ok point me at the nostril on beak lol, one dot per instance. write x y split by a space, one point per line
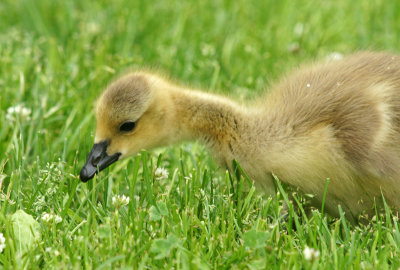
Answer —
97 154
96 161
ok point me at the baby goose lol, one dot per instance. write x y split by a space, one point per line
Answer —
338 120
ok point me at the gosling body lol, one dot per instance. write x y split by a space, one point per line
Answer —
338 120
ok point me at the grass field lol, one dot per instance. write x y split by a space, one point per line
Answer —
56 57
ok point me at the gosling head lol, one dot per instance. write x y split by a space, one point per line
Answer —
131 114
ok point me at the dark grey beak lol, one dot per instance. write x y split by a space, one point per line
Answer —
97 160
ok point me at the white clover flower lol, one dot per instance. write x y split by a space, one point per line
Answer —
18 111
298 29
48 218
161 173
2 243
310 254
57 219
119 200
334 56
51 250
207 50
187 178
93 28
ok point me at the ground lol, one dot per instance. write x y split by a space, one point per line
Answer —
55 59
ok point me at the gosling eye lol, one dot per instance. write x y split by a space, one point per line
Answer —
127 126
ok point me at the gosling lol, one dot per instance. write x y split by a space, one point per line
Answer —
338 120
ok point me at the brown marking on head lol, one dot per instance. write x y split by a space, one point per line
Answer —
137 97
125 99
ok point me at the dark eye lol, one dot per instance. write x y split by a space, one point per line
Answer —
127 126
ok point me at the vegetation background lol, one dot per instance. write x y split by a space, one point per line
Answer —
55 59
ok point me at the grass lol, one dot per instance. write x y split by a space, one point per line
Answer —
55 58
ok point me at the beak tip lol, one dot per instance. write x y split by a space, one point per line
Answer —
84 175
97 160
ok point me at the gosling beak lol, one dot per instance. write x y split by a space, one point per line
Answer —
97 160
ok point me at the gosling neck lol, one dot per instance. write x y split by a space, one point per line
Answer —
212 119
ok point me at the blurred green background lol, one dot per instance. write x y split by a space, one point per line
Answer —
57 56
